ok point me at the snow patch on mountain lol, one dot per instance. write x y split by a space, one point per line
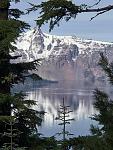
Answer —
34 44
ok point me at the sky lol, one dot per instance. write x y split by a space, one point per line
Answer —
100 28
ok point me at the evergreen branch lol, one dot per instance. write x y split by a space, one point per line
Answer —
107 67
53 11
16 13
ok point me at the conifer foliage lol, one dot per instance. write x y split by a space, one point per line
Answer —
65 119
104 104
12 73
54 11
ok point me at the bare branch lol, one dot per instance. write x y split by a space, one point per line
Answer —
95 4
98 14
107 8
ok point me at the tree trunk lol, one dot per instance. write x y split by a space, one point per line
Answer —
4 61
4 71
4 5
5 106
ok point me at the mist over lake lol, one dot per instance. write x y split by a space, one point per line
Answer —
79 95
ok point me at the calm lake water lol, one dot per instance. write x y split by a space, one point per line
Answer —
79 96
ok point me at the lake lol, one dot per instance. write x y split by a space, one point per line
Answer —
77 95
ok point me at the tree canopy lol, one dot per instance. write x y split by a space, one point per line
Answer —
12 73
53 11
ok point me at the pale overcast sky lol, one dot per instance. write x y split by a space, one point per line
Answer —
101 28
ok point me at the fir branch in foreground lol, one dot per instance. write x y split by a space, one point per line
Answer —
53 11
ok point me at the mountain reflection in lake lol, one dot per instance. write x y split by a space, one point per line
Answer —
50 96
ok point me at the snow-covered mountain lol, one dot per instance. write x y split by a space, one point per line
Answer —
36 44
61 52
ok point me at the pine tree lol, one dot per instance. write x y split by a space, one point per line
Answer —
11 133
64 118
104 104
13 73
64 113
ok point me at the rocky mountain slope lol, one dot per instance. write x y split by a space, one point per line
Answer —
62 56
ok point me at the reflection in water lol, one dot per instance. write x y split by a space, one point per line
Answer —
49 99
